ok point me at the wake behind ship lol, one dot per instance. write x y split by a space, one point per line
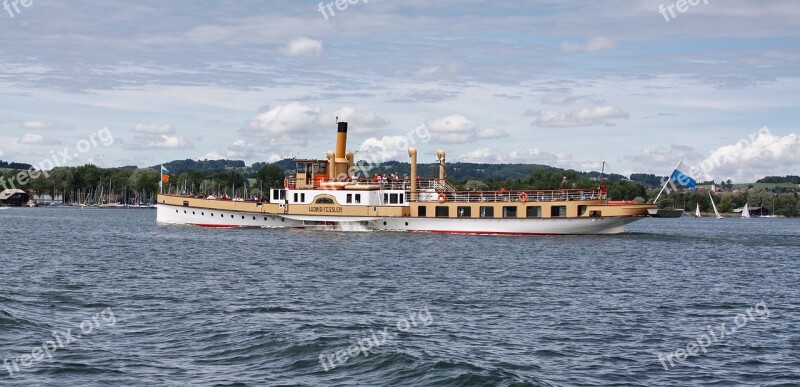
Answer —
324 194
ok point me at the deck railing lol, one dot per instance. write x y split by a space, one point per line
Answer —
429 186
522 196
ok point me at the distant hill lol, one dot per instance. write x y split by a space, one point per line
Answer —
177 166
780 180
13 165
456 171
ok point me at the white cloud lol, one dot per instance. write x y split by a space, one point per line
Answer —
358 123
376 151
153 129
303 47
585 117
491 133
751 158
41 125
600 43
457 129
528 155
159 141
35 139
597 43
479 155
661 160
291 123
450 124
454 129
239 150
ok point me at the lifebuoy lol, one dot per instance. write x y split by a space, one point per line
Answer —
285 182
442 198
523 197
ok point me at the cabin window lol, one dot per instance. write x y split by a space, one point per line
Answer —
533 212
358 198
558 212
582 210
349 198
487 212
324 201
422 211
464 212
303 197
510 211
442 211
276 194
385 198
393 198
295 197
301 168
401 198
323 168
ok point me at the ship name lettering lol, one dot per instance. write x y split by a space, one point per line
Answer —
324 209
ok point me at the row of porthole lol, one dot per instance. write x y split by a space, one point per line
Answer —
384 223
221 215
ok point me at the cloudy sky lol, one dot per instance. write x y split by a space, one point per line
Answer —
570 84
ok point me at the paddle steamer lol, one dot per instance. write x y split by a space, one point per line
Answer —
324 194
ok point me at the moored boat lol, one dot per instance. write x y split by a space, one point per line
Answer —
323 194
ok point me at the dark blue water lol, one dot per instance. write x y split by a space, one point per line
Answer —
166 305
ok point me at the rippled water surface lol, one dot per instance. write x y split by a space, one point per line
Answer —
167 305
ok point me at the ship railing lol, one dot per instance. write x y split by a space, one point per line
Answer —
520 196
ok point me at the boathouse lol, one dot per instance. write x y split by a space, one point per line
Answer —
14 197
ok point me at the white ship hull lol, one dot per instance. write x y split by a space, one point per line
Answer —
170 214
167 214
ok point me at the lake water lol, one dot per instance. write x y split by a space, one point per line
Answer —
169 305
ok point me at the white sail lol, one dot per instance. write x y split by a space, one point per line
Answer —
715 206
745 212
697 212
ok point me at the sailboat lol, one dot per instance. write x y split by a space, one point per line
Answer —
745 212
714 205
697 211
